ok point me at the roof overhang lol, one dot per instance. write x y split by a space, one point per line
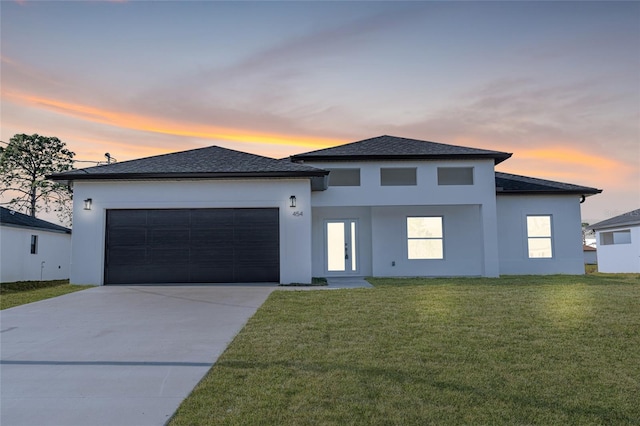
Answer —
64 177
586 193
497 158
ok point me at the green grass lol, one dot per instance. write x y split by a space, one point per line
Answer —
23 292
514 350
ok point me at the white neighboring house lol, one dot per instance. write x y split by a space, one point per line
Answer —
385 206
32 249
618 241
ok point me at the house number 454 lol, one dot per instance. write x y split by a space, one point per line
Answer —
297 213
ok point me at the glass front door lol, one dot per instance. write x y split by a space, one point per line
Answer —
341 246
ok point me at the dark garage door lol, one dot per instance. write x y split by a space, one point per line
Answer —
192 246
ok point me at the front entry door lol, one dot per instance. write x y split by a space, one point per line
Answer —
341 246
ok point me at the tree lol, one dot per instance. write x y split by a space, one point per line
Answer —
24 164
586 233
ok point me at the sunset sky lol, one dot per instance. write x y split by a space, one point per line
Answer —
555 83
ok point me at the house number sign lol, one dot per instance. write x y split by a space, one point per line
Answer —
297 213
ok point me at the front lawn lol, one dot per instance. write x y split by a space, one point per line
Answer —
514 350
22 292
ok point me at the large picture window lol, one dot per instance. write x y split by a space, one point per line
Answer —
425 238
539 239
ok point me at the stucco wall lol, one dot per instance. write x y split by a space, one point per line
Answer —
619 257
568 257
18 264
426 192
363 217
89 225
481 244
463 245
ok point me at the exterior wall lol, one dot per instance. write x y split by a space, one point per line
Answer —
363 217
87 264
568 257
51 262
477 200
426 192
463 245
619 257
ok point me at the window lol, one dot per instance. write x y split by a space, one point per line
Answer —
34 244
344 177
455 175
615 237
398 176
539 236
424 238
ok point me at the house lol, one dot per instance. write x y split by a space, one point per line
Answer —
618 240
590 255
32 249
385 206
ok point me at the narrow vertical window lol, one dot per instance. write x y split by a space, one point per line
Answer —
425 238
539 236
34 244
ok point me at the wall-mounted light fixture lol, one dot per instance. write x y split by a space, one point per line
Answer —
87 204
292 201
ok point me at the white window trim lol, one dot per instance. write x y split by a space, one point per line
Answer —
550 237
407 238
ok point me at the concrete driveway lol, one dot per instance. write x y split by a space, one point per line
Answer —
116 355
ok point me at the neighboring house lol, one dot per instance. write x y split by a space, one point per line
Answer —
32 249
618 242
385 206
590 255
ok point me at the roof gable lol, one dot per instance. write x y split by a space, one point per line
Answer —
396 148
209 162
10 217
626 219
507 183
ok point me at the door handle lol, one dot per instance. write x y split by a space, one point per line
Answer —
346 252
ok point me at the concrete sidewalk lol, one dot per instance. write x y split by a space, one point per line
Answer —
116 355
348 282
332 284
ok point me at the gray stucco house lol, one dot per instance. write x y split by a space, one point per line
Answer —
385 206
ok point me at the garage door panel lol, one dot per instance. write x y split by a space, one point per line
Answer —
192 245
212 256
169 218
212 237
223 273
128 256
152 274
256 274
212 218
169 237
128 237
166 256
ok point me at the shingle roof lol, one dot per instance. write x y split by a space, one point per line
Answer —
10 217
625 219
507 183
392 147
210 162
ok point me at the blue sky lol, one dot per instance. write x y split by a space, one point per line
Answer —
556 83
